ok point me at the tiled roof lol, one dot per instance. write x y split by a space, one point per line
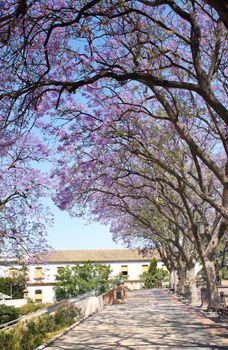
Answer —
99 255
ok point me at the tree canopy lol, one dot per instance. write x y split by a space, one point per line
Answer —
129 101
82 278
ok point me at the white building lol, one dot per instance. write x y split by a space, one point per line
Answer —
42 275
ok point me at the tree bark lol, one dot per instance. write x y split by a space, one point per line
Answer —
182 280
221 7
172 279
210 274
193 286
175 283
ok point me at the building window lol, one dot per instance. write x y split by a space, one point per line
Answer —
38 295
145 268
38 273
124 270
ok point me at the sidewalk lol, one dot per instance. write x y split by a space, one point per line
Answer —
151 319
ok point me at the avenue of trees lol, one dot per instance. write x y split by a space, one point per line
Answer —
128 100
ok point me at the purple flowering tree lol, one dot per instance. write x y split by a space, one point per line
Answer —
115 168
23 215
142 78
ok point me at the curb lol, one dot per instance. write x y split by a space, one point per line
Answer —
50 341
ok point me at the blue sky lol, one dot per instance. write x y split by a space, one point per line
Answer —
75 233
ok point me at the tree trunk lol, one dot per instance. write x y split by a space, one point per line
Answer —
175 284
171 279
193 286
213 295
182 280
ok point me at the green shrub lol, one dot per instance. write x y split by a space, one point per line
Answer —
8 313
154 276
12 285
29 335
47 323
32 335
66 315
32 307
223 273
7 340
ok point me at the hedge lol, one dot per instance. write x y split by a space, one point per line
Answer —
28 335
8 313
32 307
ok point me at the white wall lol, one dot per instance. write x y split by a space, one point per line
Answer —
161 265
90 305
14 302
47 291
4 270
134 268
50 271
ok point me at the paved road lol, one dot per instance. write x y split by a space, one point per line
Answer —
150 319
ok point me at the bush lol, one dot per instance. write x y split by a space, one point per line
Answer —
32 307
8 313
29 335
12 285
65 314
223 273
154 276
7 341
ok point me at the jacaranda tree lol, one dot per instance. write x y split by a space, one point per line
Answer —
86 65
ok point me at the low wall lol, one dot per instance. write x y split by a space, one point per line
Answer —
14 302
108 298
90 305
87 306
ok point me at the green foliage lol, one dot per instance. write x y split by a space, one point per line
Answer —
120 278
223 273
102 278
10 284
15 283
32 307
7 340
65 314
201 278
82 278
154 275
221 262
29 335
8 313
